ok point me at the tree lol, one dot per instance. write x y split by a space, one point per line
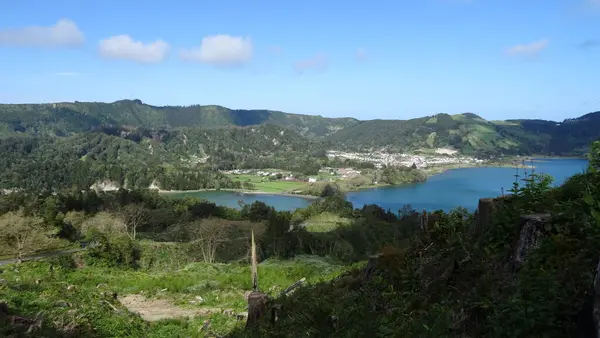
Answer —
594 155
22 234
207 236
134 216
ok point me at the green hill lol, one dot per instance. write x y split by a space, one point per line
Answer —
71 117
468 133
472 134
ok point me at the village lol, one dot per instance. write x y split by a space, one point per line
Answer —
442 158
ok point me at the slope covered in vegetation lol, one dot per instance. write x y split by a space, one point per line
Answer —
530 272
467 132
64 118
524 270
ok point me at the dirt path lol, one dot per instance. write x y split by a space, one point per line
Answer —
157 309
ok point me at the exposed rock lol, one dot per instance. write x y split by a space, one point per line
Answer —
241 316
105 185
532 230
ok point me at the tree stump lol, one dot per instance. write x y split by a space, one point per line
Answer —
532 230
257 307
371 266
485 209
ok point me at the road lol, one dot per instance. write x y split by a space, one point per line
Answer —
42 255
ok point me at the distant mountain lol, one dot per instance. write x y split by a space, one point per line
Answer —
471 134
468 133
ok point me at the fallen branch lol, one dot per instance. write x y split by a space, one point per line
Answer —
292 287
111 306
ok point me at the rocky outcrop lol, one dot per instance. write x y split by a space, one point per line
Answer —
106 185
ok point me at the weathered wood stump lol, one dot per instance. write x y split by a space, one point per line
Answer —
532 230
371 266
485 210
257 307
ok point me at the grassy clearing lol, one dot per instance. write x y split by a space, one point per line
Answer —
269 186
325 222
77 299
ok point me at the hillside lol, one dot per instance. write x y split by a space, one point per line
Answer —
472 134
468 133
524 265
70 117
180 159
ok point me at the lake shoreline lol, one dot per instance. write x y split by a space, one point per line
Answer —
241 191
438 170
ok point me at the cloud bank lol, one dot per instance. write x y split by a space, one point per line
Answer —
125 48
64 33
221 50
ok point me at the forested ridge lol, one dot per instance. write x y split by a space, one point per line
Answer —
466 132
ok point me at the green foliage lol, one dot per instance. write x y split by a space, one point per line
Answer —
594 155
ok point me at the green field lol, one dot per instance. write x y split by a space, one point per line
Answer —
269 186
325 222
81 297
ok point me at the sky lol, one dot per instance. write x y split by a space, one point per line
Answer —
394 59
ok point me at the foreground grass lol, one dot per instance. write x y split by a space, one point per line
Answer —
80 302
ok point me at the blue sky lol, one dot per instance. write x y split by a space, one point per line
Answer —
381 59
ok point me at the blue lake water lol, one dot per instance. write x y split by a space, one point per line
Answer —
446 191
230 199
460 187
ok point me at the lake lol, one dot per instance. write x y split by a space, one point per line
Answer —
446 191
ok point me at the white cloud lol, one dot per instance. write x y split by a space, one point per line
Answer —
530 49
221 50
361 54
125 48
64 33
318 62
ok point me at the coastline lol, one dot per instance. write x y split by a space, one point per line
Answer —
241 191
